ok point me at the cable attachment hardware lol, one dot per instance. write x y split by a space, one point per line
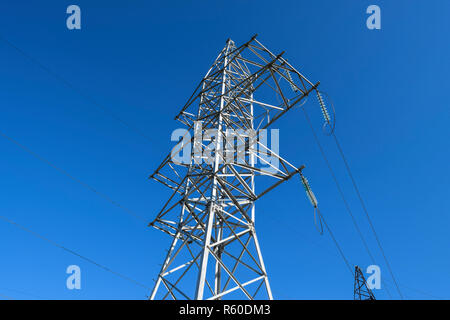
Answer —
312 198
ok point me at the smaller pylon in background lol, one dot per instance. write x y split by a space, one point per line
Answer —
361 291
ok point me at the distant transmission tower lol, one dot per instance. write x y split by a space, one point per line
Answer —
361 291
210 214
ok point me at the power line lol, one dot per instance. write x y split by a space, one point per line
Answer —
85 185
337 245
385 282
22 293
73 252
37 156
367 214
91 100
420 291
347 206
6 297
338 186
327 121
341 252
74 89
332 132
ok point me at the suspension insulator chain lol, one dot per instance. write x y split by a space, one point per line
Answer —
325 114
291 82
309 193
314 202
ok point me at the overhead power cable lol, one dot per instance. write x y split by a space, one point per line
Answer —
319 219
367 214
74 89
85 185
341 252
5 297
22 293
328 228
37 235
341 193
332 132
420 291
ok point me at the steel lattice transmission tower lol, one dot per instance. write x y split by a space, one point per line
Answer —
210 215
361 291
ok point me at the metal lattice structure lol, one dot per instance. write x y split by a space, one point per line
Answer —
361 291
215 253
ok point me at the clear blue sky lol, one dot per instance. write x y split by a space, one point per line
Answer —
142 60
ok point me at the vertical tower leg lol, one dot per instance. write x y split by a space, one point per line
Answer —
263 267
164 267
205 254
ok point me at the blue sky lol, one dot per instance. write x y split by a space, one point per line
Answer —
142 60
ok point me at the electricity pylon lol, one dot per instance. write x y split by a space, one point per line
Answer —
210 215
361 291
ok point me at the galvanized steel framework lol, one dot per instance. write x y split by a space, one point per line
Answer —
210 215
